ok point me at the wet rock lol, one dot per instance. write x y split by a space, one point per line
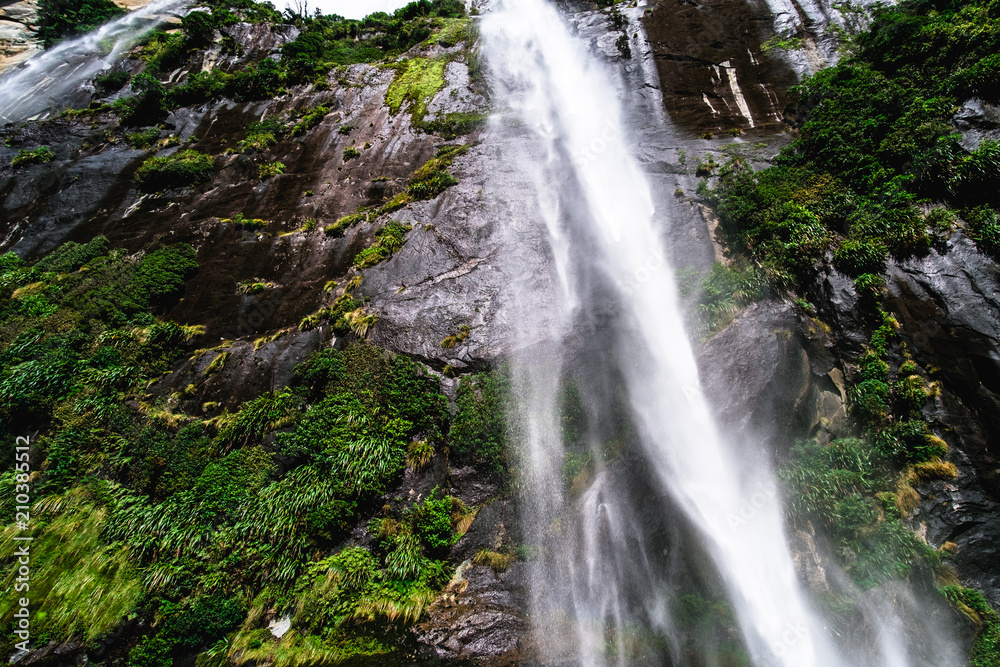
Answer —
772 379
241 371
714 74
977 113
948 308
478 617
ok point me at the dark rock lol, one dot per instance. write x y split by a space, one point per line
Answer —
714 75
772 379
478 617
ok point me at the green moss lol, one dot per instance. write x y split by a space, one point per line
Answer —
416 83
346 221
451 125
453 31
39 155
143 138
388 240
240 221
184 168
351 153
782 44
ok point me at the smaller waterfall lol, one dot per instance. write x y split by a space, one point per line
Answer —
43 85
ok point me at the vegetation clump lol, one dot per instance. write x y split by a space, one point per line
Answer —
971 603
416 83
182 169
143 138
388 240
478 431
58 19
326 42
39 155
262 134
877 173
270 169
346 221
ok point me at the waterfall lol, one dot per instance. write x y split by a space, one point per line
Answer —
44 85
600 592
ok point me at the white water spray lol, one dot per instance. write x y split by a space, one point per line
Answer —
43 85
563 96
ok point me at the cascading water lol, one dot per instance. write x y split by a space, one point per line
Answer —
600 592
43 85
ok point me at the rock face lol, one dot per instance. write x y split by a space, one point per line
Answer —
17 41
948 305
715 77
777 375
18 22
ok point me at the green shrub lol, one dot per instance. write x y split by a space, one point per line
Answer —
971 603
451 125
984 228
151 651
350 153
38 155
432 178
143 138
388 240
70 256
58 19
164 52
147 106
240 221
260 81
199 28
199 87
270 169
478 428
200 621
431 521
112 82
262 135
725 291
309 120
181 169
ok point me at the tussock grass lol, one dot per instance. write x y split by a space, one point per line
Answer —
80 585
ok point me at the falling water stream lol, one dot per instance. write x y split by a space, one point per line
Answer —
599 586
43 85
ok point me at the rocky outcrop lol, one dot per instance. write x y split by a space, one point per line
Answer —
714 74
777 374
17 41
18 23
